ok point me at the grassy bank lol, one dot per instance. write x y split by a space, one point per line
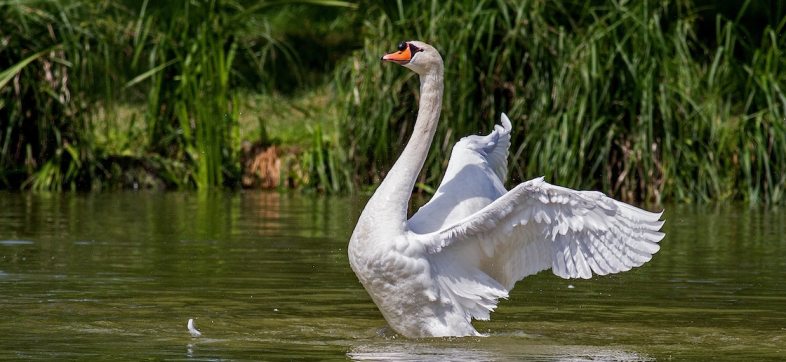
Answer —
646 100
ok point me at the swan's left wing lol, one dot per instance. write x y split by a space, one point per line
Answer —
473 179
537 226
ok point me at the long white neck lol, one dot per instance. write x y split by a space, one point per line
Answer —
391 200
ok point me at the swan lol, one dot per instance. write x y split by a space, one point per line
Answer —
451 262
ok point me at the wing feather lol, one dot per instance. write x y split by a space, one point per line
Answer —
474 178
575 233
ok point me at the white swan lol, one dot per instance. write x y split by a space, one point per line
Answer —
466 248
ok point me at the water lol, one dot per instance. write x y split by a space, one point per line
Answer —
265 276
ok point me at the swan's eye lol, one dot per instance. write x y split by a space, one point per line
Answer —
402 46
413 49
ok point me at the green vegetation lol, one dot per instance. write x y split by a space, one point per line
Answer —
647 100
623 96
100 94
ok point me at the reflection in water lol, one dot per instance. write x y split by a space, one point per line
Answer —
15 242
426 351
265 276
414 352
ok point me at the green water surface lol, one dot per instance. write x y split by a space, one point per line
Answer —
266 277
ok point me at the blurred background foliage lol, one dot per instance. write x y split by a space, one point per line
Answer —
646 100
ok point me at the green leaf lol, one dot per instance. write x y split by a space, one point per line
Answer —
8 74
149 73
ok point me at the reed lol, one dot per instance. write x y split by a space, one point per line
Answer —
55 67
66 67
656 101
192 111
620 96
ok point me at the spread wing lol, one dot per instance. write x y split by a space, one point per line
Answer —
482 239
473 179
537 226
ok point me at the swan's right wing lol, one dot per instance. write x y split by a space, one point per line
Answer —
537 226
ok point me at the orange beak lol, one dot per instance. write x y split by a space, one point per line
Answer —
400 57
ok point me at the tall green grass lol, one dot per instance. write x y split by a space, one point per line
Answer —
68 66
621 96
647 100
192 112
193 109
49 82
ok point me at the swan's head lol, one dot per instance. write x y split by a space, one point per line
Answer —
416 55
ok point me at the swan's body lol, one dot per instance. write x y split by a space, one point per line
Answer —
452 261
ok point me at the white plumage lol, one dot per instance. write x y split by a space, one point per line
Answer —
465 249
192 329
